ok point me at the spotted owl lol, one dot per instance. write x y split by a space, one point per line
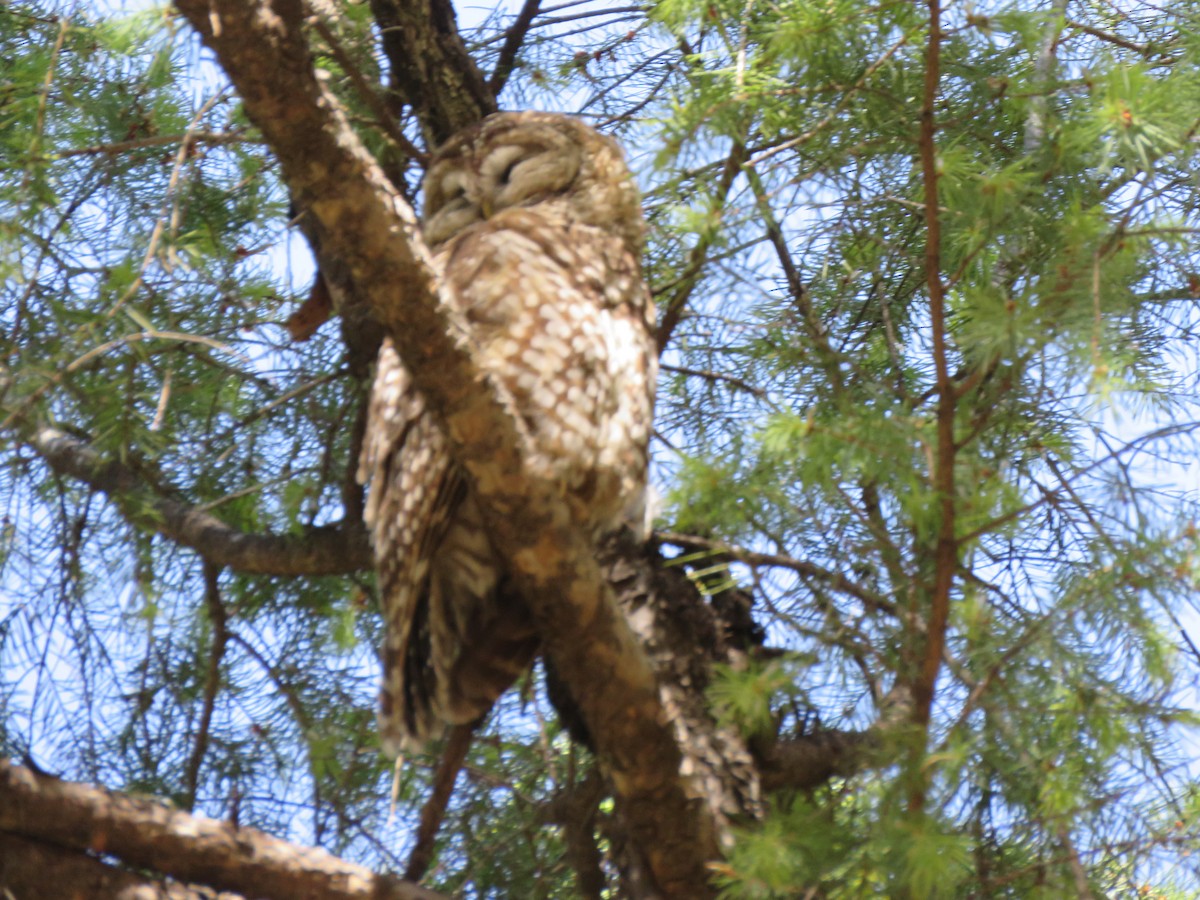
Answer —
536 226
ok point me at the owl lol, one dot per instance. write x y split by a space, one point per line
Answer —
536 226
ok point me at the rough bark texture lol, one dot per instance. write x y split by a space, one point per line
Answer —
433 75
24 865
152 835
431 69
370 228
684 637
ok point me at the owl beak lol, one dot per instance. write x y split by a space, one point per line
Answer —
485 206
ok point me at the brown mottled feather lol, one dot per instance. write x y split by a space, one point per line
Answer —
537 227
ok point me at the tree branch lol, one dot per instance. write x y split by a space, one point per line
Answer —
834 580
687 282
151 835
431 69
574 808
370 228
454 754
808 762
24 865
383 116
513 39
218 618
946 550
331 550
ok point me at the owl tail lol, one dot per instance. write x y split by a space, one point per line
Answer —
468 638
493 652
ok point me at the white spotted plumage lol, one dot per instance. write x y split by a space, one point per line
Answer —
537 227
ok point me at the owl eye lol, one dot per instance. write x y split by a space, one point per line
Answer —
506 174
450 194
450 204
501 164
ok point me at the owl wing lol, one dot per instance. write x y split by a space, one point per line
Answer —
455 638
556 314
413 493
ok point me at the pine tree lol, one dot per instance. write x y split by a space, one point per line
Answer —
922 581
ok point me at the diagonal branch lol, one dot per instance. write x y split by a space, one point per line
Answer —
147 834
373 231
686 284
835 580
383 116
331 550
513 39
454 756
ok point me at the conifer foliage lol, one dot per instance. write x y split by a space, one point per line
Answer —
924 572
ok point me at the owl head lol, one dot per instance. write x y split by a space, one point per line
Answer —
531 159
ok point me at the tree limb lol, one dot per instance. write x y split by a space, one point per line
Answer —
218 618
936 618
454 755
24 865
683 287
431 69
834 580
383 115
330 550
809 761
574 808
513 39
148 834
374 232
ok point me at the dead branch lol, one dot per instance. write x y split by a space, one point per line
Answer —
148 834
24 865
330 550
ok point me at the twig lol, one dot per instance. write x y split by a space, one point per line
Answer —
832 361
835 580
383 115
699 255
716 376
454 754
834 113
190 138
87 358
218 618
1108 36
64 25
